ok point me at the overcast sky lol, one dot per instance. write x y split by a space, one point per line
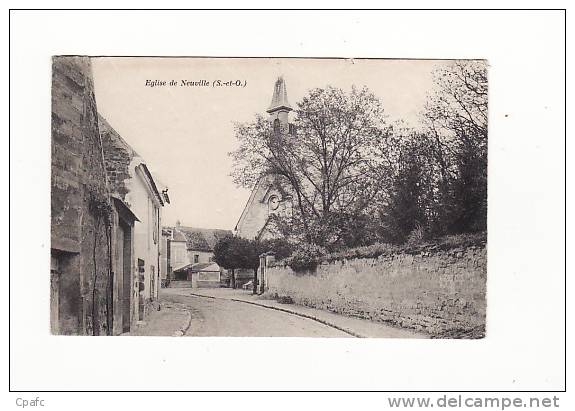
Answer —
185 133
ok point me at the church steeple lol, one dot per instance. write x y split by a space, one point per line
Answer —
280 108
279 99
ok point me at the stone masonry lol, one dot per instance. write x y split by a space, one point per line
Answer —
440 292
79 204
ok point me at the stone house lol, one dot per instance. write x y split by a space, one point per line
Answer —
131 182
79 204
96 223
86 298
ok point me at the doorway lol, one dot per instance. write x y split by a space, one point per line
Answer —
125 272
54 294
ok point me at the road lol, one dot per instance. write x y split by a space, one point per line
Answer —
224 318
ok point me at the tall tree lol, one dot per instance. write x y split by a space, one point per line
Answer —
406 208
327 167
456 119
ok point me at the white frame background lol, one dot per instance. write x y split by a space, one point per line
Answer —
524 348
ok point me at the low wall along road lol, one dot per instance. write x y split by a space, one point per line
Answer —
437 291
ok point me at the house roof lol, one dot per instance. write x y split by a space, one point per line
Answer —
118 155
197 267
201 239
161 187
182 267
117 158
211 266
177 235
124 210
153 186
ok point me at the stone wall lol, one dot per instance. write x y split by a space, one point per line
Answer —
117 158
79 238
441 292
193 284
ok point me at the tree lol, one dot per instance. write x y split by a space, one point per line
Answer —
456 120
279 247
253 249
232 253
405 210
327 167
224 258
354 180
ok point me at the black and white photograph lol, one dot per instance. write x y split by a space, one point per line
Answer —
288 208
262 197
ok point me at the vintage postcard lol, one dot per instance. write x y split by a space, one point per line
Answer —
269 197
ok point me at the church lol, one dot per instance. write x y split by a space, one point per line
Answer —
268 199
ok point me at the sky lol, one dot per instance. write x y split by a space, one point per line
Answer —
185 133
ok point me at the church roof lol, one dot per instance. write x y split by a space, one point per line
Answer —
279 99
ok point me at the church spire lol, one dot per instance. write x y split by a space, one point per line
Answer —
279 99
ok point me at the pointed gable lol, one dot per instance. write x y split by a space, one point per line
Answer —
257 209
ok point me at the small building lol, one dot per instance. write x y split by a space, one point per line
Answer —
200 275
190 252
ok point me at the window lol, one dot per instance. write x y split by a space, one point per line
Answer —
277 126
196 258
